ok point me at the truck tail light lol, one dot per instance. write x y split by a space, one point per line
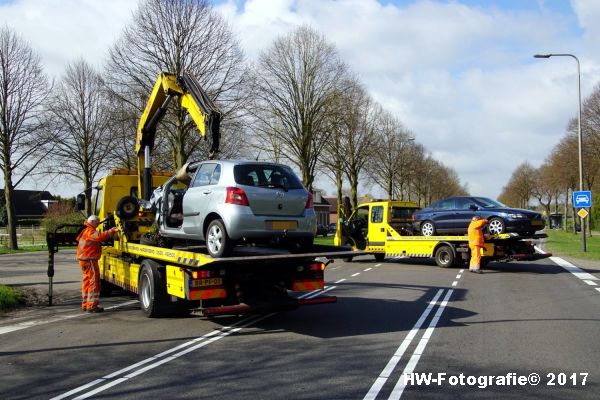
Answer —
317 267
236 196
309 201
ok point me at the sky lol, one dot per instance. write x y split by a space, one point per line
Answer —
459 74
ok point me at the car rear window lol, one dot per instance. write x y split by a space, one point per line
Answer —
266 175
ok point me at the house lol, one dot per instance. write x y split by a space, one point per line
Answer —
322 207
30 203
332 218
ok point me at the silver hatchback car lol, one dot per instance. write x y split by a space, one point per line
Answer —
227 202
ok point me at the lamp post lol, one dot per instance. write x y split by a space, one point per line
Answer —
578 133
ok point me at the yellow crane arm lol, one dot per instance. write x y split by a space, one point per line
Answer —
191 97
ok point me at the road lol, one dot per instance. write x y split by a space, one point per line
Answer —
392 319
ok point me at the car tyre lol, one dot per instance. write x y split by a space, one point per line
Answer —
496 226
444 256
427 228
218 243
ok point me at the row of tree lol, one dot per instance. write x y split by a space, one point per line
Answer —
553 183
299 104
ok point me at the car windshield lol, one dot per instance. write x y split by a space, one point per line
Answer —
266 175
488 203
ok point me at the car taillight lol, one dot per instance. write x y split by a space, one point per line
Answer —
236 196
412 216
309 201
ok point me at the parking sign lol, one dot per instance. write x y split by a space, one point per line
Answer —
582 199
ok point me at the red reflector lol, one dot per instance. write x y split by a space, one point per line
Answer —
236 196
309 201
317 267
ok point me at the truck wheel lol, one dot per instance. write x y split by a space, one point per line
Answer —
218 243
496 226
444 256
106 288
152 289
427 228
379 257
127 207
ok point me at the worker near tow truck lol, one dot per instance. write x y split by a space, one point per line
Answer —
89 249
476 242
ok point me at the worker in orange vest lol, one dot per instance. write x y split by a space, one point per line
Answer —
89 250
476 242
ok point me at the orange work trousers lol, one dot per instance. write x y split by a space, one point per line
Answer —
90 284
475 257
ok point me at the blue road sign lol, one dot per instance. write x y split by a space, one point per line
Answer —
582 199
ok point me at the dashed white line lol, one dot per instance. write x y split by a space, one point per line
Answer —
458 276
389 368
598 289
454 283
368 269
591 283
340 281
356 274
461 271
377 265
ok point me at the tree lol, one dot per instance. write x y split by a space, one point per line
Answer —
80 120
521 186
23 90
295 85
181 36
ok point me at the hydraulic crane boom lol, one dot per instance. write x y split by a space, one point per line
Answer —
194 99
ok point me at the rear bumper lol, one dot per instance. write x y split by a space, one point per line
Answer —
262 308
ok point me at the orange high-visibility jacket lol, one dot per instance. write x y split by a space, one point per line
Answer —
475 232
90 241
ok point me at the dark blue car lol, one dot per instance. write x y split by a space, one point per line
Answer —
452 215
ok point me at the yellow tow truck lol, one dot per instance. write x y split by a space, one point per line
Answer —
384 228
174 279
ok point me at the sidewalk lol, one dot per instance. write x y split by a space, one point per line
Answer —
29 272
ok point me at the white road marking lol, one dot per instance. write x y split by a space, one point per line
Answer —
414 360
356 274
591 283
56 318
458 276
461 271
598 289
454 283
377 265
340 281
578 272
368 269
389 368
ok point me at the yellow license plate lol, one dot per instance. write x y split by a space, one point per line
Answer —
207 282
536 223
281 225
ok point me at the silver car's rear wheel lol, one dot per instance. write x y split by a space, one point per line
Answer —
218 243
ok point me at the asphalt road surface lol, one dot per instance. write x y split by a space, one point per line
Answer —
400 329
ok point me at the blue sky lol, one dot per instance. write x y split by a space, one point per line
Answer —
459 74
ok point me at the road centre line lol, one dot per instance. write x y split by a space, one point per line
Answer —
368 269
356 274
57 318
458 276
454 283
340 281
461 271
598 289
391 365
377 265
183 349
414 360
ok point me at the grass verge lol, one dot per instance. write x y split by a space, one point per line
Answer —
327 240
24 249
10 297
562 243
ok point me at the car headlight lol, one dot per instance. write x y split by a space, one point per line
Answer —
516 216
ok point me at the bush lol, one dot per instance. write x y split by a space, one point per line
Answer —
62 213
9 297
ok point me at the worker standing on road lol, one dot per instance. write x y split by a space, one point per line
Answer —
476 242
88 253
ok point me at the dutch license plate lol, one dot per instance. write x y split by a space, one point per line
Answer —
281 225
536 223
207 282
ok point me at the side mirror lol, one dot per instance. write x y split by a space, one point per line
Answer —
473 207
80 201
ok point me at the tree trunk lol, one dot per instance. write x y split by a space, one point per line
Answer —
566 211
11 218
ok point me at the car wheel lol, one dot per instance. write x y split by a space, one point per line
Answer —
496 226
444 256
218 243
127 207
427 228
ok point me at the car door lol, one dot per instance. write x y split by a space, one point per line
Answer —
443 215
199 195
463 214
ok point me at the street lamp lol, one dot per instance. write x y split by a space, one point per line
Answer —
578 132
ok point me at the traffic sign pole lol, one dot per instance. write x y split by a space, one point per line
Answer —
582 199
